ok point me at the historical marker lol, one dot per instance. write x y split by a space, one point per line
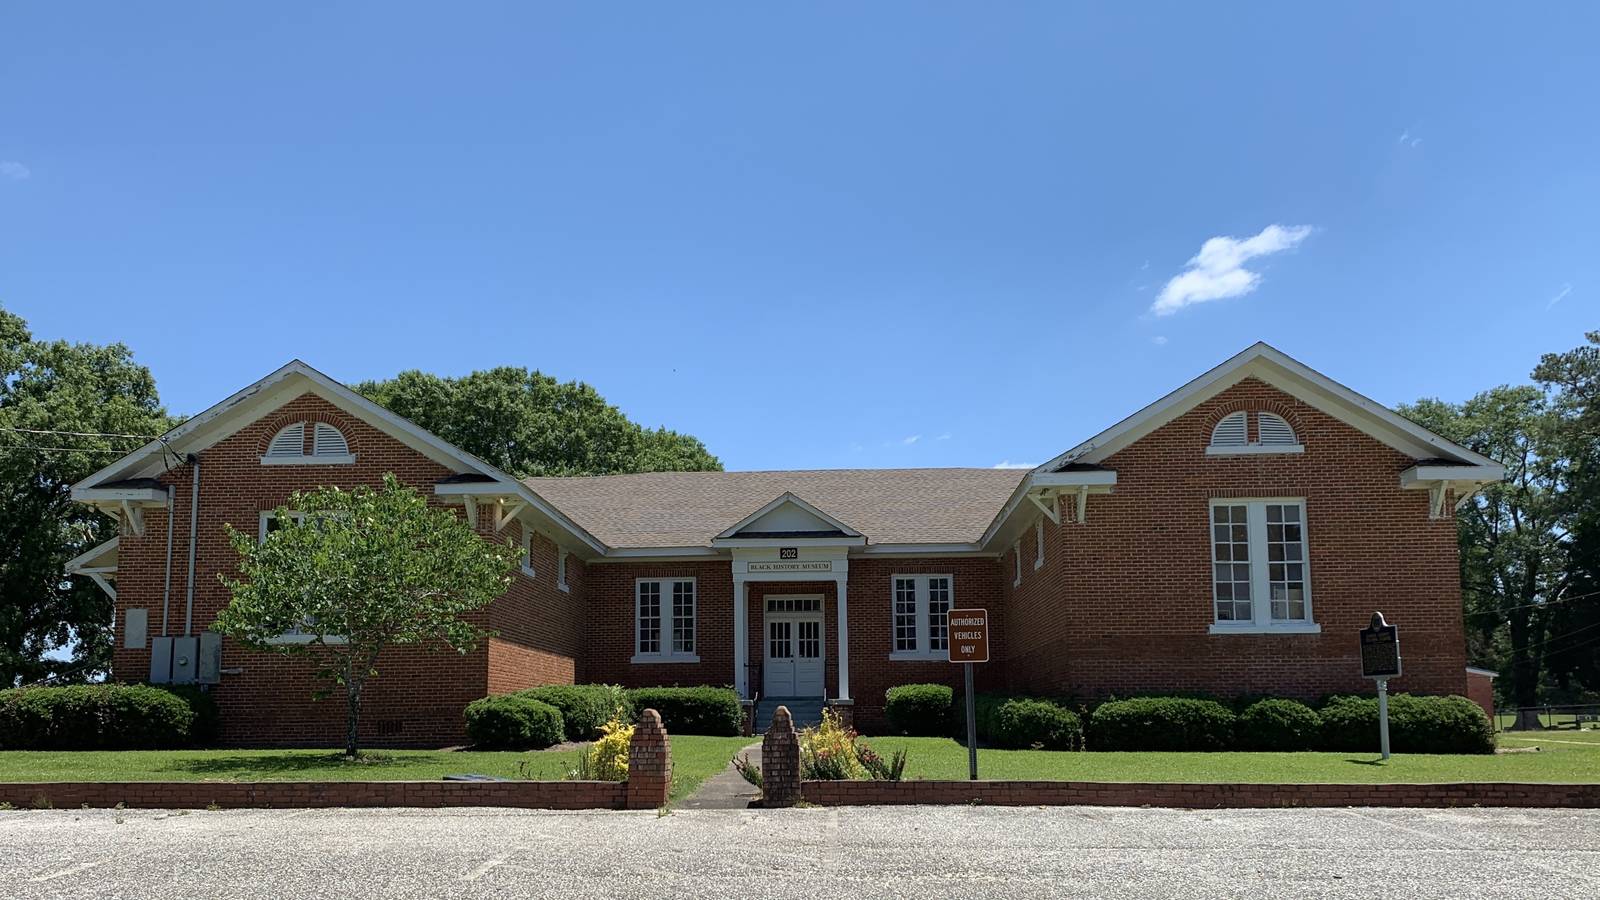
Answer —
1380 661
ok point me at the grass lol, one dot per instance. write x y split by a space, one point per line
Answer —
1556 761
694 759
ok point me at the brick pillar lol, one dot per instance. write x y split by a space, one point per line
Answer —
649 763
780 761
747 710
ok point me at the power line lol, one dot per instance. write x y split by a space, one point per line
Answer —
105 434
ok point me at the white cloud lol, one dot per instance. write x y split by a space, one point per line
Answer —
911 439
1560 296
1008 464
1218 271
1159 340
13 170
943 437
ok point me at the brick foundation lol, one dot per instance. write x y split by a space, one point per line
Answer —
1197 796
316 794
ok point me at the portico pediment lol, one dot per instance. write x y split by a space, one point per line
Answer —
788 520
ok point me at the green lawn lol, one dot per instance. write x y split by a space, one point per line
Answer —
694 759
1562 756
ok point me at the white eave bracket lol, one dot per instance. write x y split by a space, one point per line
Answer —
1047 488
1442 481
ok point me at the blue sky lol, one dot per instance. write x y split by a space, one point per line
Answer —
836 235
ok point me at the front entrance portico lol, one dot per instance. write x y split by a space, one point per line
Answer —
790 541
793 647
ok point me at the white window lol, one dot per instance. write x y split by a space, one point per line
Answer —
561 569
1259 570
1230 437
304 633
527 552
1038 544
1016 560
921 608
664 620
328 447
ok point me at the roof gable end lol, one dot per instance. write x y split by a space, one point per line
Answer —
788 517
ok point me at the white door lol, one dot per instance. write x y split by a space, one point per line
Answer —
794 660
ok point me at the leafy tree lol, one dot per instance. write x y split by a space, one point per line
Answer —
527 423
1573 379
1513 535
359 571
89 391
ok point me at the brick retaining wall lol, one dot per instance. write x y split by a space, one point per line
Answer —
1197 796
306 794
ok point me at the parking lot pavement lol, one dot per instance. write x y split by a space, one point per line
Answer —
905 852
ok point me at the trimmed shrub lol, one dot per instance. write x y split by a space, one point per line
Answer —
692 710
1416 725
585 708
510 722
921 710
1161 723
1279 725
1024 723
94 717
207 717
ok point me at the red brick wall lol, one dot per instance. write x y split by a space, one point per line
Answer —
1124 601
609 599
1480 688
539 628
418 695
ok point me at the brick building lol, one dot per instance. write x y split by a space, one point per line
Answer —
1231 537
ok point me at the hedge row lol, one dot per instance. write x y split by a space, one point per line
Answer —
1417 724
105 717
538 717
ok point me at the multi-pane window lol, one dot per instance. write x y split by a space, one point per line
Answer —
905 614
1258 563
1286 567
810 638
665 618
921 605
683 617
527 552
1230 561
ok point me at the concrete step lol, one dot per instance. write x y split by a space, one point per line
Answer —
805 711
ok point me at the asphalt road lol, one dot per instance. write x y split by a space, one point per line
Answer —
863 852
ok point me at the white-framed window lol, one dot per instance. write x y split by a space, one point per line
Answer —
328 447
1038 544
1230 436
1260 572
664 620
304 633
920 607
1016 562
527 553
561 569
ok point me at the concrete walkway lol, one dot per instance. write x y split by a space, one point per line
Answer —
726 789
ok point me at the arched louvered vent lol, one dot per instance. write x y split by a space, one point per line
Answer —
327 441
1230 432
1274 431
291 441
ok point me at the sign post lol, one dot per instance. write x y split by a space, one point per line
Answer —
1380 661
969 645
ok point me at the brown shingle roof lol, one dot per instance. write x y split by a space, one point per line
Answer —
688 509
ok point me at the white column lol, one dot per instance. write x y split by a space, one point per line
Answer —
844 637
741 641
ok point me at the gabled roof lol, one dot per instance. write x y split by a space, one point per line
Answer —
284 384
779 519
690 509
100 558
1276 368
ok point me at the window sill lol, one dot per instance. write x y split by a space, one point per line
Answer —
639 658
1289 628
919 656
563 586
347 459
529 572
305 639
1253 449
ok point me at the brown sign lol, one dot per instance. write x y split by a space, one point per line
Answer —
969 635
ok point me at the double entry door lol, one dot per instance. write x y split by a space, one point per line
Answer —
793 666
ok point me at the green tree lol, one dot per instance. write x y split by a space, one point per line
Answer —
527 423
355 572
1573 381
1513 535
57 401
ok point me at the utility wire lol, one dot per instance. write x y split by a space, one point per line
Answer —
107 434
